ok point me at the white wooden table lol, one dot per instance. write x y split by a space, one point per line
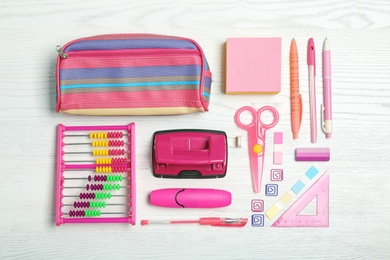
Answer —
358 32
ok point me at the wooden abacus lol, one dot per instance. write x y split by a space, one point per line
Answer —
82 196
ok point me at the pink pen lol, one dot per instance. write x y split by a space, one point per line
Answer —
311 62
212 221
327 125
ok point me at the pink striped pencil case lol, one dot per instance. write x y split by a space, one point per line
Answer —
132 74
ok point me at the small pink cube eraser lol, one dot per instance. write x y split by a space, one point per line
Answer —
278 148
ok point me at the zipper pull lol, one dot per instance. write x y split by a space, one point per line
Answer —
61 52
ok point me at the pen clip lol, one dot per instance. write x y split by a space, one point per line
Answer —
323 118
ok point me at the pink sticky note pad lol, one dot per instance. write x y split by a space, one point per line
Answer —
253 65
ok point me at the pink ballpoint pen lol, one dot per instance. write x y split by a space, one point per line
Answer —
311 62
327 125
212 221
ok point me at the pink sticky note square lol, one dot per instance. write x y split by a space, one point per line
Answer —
253 65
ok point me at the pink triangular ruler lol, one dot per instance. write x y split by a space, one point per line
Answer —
320 191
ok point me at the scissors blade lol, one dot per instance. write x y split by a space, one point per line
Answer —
256 154
256 174
257 162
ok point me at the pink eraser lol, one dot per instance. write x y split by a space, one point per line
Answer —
253 65
190 198
278 147
312 154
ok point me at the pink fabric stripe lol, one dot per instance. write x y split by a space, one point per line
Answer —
142 53
141 99
128 36
117 62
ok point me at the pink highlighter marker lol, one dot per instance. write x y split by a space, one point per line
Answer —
327 125
311 62
190 198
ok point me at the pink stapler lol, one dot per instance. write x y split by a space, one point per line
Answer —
190 154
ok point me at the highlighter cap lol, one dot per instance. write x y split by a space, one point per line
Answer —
190 198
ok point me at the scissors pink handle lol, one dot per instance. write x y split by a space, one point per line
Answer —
256 139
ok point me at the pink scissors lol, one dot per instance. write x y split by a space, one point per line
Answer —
256 139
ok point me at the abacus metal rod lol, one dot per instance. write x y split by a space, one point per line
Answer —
91 152
77 135
83 178
122 187
101 143
78 196
95 146
107 204
81 161
105 213
97 161
94 170
99 135
86 161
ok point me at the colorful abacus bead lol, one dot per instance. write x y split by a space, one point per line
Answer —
97 195
114 178
87 204
111 187
92 213
103 187
101 169
102 143
110 152
81 204
87 196
105 178
84 213
105 135
111 161
114 135
97 204
76 213
102 195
